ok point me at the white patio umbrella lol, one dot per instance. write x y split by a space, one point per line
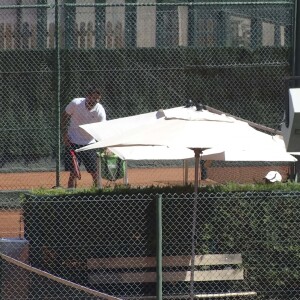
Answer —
174 132
180 127
276 152
152 153
199 131
103 130
273 149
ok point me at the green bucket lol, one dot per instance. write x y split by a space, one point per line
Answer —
112 166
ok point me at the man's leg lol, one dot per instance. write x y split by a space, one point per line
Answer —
72 183
95 178
89 159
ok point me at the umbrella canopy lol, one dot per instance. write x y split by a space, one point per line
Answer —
273 150
233 153
181 127
185 128
103 130
152 153
246 155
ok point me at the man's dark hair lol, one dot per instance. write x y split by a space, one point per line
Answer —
93 90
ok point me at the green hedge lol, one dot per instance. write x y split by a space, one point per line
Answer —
261 225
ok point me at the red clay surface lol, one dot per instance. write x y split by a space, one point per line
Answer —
11 224
140 177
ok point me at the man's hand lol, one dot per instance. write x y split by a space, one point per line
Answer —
66 139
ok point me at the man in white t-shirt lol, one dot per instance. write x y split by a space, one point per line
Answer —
78 112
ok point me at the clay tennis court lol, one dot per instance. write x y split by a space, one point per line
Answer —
141 177
11 222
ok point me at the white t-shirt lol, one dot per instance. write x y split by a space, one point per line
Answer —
81 115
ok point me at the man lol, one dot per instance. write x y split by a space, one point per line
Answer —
78 112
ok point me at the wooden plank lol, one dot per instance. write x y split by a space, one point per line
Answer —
2 36
9 34
33 44
82 34
121 262
168 261
237 294
51 35
25 35
200 296
209 275
90 34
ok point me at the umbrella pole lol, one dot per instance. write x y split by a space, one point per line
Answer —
197 164
185 172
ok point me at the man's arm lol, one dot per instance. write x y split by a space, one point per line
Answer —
64 128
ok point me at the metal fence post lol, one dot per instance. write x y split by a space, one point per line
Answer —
58 108
159 247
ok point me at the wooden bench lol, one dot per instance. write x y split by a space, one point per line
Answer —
209 267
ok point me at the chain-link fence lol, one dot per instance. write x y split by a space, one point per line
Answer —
144 56
235 245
